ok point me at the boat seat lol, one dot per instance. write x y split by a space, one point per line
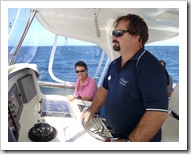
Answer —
170 128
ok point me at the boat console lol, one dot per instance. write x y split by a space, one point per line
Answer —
35 117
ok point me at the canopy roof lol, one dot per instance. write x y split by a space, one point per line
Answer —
95 24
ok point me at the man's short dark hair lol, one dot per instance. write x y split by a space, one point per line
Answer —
136 26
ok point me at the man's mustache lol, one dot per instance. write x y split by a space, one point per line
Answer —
116 47
115 41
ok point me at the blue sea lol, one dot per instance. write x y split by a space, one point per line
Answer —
66 56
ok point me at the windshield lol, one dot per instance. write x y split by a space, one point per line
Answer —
54 55
17 20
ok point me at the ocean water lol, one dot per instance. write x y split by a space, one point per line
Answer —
66 57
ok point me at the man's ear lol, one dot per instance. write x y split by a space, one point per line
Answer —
136 37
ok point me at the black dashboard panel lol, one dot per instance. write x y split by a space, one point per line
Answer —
27 88
15 107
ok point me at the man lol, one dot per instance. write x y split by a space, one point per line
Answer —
169 78
134 91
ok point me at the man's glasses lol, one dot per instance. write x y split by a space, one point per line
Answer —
78 71
119 33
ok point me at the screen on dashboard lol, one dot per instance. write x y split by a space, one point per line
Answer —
27 88
15 103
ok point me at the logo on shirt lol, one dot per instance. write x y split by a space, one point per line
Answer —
109 78
123 81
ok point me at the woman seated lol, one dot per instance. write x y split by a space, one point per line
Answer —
85 87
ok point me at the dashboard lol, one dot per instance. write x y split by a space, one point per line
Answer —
35 117
22 89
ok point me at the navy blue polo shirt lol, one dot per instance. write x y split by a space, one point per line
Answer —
138 86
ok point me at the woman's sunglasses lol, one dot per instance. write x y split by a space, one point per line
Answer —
78 71
119 33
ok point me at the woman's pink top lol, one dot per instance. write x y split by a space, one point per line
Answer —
87 90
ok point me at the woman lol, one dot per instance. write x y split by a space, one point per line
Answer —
85 87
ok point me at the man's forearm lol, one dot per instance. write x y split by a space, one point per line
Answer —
98 100
148 126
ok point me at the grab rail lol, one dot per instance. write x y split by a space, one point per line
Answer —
68 85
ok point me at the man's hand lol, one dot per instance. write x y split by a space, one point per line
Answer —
117 140
86 116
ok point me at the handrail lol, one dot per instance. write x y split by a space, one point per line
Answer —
68 85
